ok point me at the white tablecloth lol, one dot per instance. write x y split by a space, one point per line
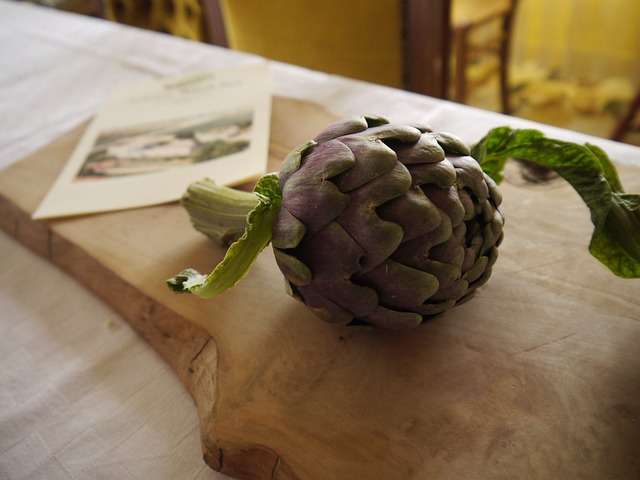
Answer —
81 396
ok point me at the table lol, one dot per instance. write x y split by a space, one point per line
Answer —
81 396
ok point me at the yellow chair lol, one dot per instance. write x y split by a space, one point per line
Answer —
401 43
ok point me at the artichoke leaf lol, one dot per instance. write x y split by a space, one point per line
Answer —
615 214
242 253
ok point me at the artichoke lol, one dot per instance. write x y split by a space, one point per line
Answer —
378 224
385 224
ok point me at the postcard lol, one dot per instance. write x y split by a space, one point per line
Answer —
151 140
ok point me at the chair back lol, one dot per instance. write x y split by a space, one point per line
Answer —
400 43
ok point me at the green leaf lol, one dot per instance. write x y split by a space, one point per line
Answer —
617 244
242 253
614 213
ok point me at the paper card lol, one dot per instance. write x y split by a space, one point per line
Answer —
151 140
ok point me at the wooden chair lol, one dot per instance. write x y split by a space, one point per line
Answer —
496 17
412 53
626 123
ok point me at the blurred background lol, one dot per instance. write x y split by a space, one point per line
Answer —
569 63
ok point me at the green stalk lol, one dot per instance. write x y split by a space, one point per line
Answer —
218 212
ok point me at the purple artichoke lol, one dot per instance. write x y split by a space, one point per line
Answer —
385 224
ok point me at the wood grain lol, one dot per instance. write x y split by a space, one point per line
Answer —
537 377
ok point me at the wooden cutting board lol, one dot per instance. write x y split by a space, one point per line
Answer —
537 377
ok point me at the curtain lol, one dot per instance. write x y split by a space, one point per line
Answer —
585 40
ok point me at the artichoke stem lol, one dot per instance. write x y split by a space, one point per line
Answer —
217 211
